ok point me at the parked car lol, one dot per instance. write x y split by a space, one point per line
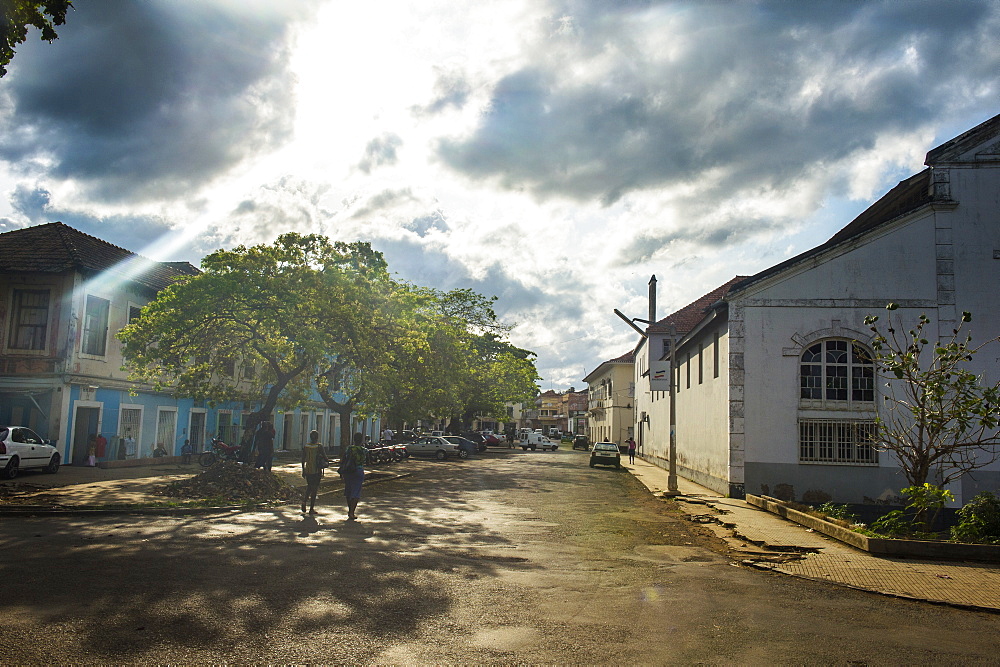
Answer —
605 454
436 446
492 440
538 441
581 442
22 449
468 446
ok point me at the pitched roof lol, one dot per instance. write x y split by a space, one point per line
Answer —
627 358
688 317
55 248
907 196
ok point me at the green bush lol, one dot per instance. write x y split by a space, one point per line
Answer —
979 520
835 511
894 524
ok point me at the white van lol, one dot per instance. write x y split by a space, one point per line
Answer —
538 441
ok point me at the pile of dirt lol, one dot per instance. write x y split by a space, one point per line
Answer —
232 482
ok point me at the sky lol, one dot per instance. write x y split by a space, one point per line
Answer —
553 153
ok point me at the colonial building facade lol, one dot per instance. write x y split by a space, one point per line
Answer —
775 386
611 396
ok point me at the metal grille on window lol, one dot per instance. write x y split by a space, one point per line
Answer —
197 432
826 441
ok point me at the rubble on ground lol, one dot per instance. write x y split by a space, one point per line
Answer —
232 482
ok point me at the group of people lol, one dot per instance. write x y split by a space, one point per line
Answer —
351 470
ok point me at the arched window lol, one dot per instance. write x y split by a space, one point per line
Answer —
836 373
836 404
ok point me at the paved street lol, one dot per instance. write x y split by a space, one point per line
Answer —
516 557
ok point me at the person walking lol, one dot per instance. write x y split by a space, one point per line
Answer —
352 470
313 462
264 445
631 450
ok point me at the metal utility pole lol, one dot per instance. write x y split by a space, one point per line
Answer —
672 471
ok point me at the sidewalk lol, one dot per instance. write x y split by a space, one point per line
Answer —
770 542
86 488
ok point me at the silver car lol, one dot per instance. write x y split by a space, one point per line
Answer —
21 449
436 446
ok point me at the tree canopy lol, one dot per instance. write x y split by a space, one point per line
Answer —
277 322
19 15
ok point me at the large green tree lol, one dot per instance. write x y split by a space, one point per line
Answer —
937 416
257 322
16 16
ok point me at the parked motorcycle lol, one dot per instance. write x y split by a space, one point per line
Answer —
219 451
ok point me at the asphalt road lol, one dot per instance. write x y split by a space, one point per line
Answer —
517 557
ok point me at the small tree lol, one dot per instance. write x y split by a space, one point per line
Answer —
937 416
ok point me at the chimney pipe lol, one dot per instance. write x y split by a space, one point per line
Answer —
652 299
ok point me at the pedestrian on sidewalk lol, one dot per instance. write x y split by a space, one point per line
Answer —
631 450
186 452
352 470
313 462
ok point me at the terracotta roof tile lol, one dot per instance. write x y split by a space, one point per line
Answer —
55 248
688 317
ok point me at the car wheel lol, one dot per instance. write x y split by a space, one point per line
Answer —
53 465
532 448
524 448
440 455
10 472
555 447
462 454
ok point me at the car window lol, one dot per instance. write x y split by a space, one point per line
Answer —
606 447
30 437
3 433
17 435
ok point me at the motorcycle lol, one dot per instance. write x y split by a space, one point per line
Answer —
220 451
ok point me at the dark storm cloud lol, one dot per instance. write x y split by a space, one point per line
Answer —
140 99
380 151
554 305
752 92
133 232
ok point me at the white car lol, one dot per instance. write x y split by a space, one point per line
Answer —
21 449
436 446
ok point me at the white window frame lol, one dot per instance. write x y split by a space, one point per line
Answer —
169 446
88 328
824 402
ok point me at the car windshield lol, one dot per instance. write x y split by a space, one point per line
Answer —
606 446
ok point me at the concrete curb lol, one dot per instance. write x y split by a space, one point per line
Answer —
91 510
880 546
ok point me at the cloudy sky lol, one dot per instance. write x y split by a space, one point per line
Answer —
554 153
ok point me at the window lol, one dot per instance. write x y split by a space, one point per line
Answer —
95 326
687 371
828 441
701 376
838 373
29 322
715 356
133 313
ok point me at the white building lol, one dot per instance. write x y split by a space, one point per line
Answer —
774 387
611 393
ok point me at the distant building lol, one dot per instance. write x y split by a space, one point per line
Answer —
611 397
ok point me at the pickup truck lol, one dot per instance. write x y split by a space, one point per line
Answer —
537 440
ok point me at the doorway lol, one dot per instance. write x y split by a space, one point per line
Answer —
85 425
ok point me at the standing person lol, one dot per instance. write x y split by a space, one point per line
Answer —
352 469
387 435
313 462
631 450
186 451
264 444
